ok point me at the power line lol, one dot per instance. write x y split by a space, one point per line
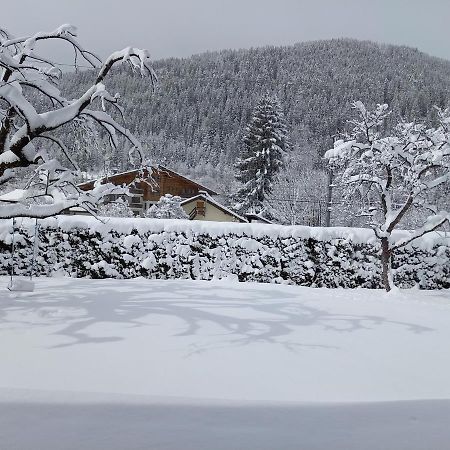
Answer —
322 202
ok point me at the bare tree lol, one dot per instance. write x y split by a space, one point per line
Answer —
394 174
297 196
25 76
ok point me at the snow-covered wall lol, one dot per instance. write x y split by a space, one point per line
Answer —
124 248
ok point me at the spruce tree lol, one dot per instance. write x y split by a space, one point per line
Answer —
263 146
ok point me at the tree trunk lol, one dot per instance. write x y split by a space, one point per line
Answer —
386 274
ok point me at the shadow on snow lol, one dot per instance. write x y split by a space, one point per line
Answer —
244 316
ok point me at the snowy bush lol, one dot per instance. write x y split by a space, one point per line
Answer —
118 208
168 207
168 249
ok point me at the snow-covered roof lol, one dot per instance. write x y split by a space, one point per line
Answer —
107 177
159 167
255 217
14 196
207 198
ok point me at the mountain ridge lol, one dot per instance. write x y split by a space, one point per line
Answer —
199 111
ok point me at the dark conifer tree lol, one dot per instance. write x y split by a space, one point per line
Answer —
264 143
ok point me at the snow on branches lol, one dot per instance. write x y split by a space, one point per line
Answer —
32 107
51 190
168 207
117 208
409 169
264 145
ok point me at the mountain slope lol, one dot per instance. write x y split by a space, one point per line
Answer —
203 102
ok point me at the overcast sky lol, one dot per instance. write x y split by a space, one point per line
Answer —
183 27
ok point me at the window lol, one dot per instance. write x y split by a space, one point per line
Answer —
201 210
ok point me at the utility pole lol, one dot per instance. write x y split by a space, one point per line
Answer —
329 198
330 187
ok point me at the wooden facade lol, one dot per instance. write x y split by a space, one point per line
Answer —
149 184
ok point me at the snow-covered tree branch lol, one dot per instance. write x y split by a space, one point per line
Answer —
32 108
394 174
49 191
298 193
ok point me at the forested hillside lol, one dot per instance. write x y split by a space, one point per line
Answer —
195 119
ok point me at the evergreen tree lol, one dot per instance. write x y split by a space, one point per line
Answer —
264 143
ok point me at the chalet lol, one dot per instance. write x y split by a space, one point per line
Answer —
204 207
148 184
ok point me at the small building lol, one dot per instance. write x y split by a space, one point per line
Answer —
204 207
148 184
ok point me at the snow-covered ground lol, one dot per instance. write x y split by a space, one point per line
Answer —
149 364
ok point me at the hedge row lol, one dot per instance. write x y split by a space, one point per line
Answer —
263 253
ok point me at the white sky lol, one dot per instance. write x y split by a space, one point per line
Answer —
183 27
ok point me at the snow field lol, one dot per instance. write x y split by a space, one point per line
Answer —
113 364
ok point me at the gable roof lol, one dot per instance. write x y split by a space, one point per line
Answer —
110 177
218 205
158 168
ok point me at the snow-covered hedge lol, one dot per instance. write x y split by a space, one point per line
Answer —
131 247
